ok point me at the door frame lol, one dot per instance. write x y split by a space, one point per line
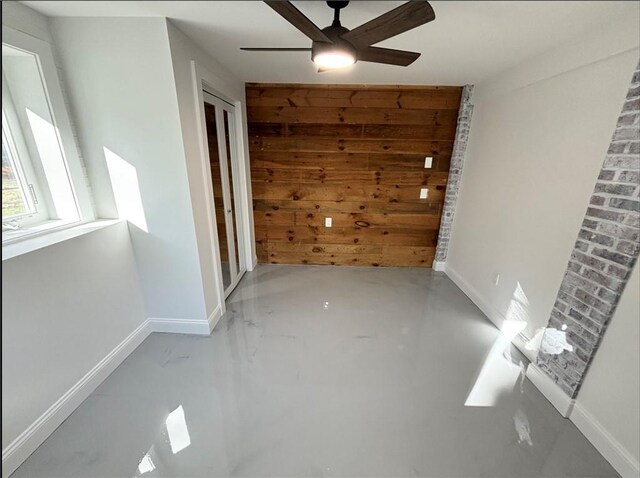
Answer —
203 80
233 224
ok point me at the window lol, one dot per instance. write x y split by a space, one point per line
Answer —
43 185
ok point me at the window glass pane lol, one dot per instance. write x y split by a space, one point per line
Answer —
14 194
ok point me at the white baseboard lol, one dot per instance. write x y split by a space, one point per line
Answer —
27 442
30 439
439 266
552 392
186 326
495 316
619 457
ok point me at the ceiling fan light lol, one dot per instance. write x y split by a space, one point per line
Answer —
334 59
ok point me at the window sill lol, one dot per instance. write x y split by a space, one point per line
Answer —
28 244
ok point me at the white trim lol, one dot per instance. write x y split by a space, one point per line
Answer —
186 326
32 243
30 439
59 115
616 454
551 391
439 266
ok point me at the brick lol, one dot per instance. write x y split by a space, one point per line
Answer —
617 189
583 320
634 148
622 232
628 119
613 256
589 223
588 260
601 279
604 214
631 105
628 204
622 162
593 301
606 175
574 267
621 273
628 176
629 248
595 237
627 134
597 200
608 296
582 246
576 281
617 148
598 317
632 220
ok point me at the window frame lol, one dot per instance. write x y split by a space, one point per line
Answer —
16 147
43 54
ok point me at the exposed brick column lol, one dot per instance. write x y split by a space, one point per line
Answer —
455 173
603 256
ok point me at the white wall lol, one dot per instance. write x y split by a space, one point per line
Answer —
538 138
611 389
539 135
64 308
121 88
183 52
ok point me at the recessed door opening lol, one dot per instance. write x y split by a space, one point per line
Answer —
222 141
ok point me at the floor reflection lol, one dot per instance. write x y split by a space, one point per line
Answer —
374 385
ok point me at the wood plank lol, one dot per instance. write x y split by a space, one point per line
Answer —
325 207
341 254
346 161
345 219
280 114
347 235
307 144
354 153
328 192
359 176
375 131
409 99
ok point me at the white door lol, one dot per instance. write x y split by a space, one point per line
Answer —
223 157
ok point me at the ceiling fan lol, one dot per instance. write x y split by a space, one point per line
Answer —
337 47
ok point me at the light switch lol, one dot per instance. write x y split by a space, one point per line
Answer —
428 161
327 222
424 192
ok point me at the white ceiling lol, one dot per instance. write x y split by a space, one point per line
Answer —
467 42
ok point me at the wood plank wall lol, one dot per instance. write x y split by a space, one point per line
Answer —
355 154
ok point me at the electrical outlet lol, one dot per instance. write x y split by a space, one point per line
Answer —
424 193
428 161
328 222
496 279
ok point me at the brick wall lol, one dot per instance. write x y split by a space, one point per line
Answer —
603 256
455 173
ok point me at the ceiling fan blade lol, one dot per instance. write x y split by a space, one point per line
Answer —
387 56
405 17
298 20
275 49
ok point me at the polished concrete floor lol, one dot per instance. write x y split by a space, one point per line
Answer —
324 371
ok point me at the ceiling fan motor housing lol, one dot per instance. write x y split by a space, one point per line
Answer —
338 45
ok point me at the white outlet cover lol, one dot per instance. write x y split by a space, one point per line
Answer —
424 192
428 161
328 222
